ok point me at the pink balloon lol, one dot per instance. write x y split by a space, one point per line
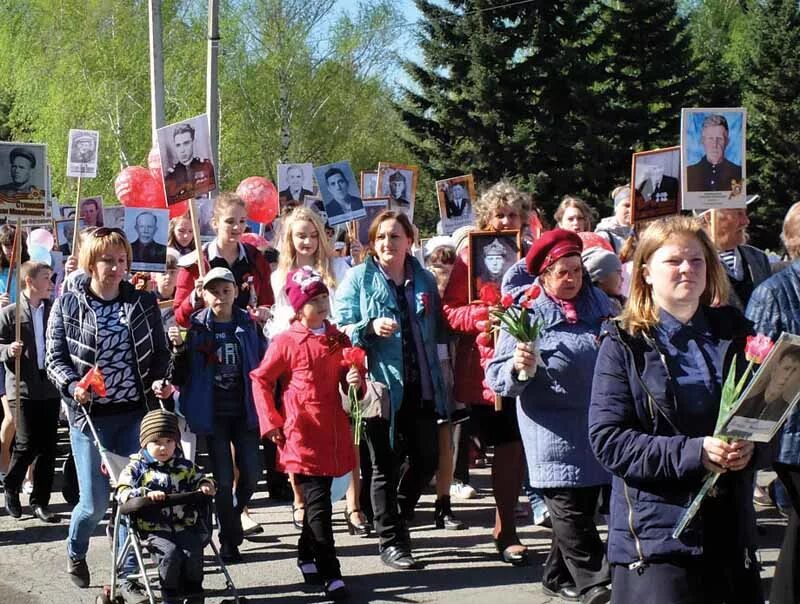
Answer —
594 240
42 238
261 198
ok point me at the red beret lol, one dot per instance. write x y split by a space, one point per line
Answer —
550 247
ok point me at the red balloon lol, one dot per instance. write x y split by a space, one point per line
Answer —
260 197
136 188
594 240
154 163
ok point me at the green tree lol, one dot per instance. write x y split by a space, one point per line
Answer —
772 97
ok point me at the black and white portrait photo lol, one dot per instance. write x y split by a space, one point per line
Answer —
316 205
771 396
372 207
491 254
398 182
713 156
340 193
114 217
186 163
656 183
295 181
369 183
23 172
65 231
455 197
146 230
82 153
92 211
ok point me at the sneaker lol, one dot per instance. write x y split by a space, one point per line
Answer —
27 487
541 517
133 592
78 572
459 490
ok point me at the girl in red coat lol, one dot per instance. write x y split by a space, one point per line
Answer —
311 429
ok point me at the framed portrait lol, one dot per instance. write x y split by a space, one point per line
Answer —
147 230
186 161
491 254
655 183
64 231
713 166
771 396
339 191
398 182
455 196
295 182
82 153
23 179
114 217
369 183
204 208
92 211
373 207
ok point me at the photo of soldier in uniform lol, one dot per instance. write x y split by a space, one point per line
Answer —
186 159
82 153
398 182
23 172
455 197
491 254
295 181
656 183
769 398
147 230
340 193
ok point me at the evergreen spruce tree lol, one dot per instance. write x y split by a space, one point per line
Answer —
772 98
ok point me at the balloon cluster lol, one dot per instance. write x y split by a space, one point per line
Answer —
138 187
40 242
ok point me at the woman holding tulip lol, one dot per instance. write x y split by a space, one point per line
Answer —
552 381
655 403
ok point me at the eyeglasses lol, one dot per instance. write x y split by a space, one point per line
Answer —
106 231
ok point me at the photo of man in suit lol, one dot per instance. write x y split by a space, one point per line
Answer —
657 186
190 176
21 165
295 193
458 202
343 202
714 172
770 404
145 248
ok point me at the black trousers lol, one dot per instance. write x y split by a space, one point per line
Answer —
316 539
461 442
34 443
180 562
576 552
398 476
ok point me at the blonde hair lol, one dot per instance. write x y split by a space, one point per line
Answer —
225 201
569 201
287 257
641 313
790 234
94 245
499 195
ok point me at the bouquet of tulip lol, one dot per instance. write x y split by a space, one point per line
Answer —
354 358
756 350
514 317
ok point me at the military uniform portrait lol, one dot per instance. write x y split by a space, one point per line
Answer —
147 230
340 194
295 182
23 172
713 158
82 153
455 196
398 182
491 254
187 167
656 183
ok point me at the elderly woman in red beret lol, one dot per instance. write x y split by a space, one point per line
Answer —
552 410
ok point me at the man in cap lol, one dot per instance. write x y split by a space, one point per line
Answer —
84 149
21 165
190 176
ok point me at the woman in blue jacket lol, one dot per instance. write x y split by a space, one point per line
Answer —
655 401
552 412
389 306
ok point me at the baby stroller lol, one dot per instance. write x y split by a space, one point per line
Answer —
124 515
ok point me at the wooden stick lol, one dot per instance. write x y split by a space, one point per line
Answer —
198 246
18 308
77 227
13 259
714 218
498 400
352 232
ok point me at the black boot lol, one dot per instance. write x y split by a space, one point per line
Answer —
444 518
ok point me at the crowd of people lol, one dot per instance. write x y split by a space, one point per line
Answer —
243 349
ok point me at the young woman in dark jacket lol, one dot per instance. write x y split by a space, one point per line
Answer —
655 401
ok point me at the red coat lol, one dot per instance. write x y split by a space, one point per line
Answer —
319 441
462 317
188 274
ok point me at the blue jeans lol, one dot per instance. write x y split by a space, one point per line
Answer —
119 434
233 431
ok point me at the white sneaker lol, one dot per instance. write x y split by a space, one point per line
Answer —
459 490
